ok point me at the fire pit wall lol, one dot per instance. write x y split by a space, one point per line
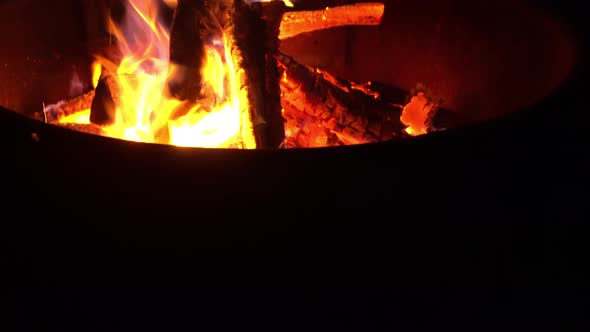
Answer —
483 58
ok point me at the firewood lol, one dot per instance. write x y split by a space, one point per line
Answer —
106 98
298 22
55 112
275 130
355 113
186 50
256 31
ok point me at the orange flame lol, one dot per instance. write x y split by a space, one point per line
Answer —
415 114
145 111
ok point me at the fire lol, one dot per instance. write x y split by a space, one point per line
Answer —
146 114
82 117
287 2
415 115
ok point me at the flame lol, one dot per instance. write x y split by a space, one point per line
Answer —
415 115
287 2
82 117
144 114
96 70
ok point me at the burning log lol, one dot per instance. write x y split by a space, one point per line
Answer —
354 113
65 111
55 112
298 22
186 50
256 31
103 110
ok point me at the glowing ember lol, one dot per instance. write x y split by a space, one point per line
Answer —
415 115
146 114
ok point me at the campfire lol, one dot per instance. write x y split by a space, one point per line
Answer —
216 78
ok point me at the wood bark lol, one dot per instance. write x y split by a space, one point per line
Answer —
256 31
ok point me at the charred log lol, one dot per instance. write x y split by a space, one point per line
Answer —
106 98
354 113
256 30
275 131
298 22
186 50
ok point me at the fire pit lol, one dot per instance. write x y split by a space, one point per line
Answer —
473 224
278 74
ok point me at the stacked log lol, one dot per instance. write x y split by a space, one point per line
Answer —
354 113
318 109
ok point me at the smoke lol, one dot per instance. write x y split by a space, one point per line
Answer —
76 86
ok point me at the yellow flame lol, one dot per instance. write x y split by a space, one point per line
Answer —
224 123
145 114
96 70
82 117
287 2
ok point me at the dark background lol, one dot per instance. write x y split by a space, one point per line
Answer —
483 228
